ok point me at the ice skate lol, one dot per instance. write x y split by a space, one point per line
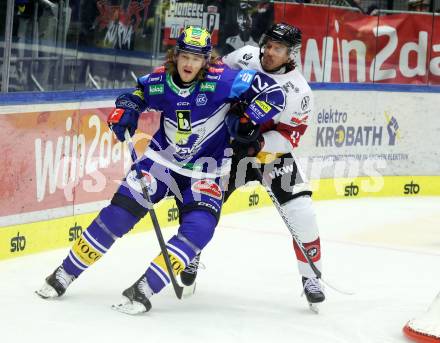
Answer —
189 274
56 284
313 292
136 298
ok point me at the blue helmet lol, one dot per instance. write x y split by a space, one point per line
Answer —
195 40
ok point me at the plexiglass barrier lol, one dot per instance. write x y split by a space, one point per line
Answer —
48 45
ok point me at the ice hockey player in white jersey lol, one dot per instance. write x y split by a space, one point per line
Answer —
280 136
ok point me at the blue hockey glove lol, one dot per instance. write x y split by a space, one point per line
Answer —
126 114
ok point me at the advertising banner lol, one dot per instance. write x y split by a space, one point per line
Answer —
55 158
371 133
340 45
182 14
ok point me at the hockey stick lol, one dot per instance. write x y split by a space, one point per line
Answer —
292 231
178 289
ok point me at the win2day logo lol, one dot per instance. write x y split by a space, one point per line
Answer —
18 243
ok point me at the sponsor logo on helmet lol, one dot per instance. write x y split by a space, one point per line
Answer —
196 36
195 40
207 187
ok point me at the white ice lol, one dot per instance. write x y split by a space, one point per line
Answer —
387 250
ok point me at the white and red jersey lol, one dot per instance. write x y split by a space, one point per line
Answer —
283 132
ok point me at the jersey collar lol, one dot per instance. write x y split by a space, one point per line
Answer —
183 92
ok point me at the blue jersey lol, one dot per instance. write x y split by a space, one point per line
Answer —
192 137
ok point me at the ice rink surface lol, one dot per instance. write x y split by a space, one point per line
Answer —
387 250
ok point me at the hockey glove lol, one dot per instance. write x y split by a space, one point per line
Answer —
126 114
241 128
250 149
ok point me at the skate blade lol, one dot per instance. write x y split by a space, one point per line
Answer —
188 291
47 292
129 307
314 308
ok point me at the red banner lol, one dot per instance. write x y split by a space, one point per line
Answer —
53 159
340 45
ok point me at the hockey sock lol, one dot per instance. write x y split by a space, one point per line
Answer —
195 232
111 223
313 250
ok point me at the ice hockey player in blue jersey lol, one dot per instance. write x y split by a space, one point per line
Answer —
186 158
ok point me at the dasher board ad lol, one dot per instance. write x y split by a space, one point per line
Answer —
370 133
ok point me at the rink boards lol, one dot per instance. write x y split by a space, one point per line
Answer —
23 239
60 163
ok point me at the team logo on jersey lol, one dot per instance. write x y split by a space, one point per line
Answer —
247 57
208 86
207 187
263 105
201 100
184 130
134 183
156 89
313 251
305 103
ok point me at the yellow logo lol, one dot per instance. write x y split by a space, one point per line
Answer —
263 105
139 93
86 253
196 36
177 265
